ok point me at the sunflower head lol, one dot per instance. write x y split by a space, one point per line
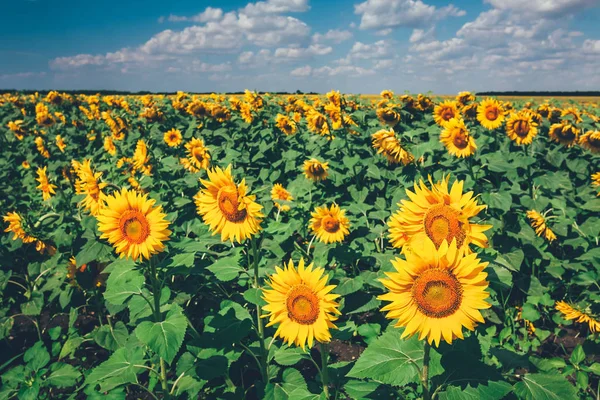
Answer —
444 112
539 223
564 133
280 194
316 170
172 137
436 291
285 124
464 98
387 94
455 136
300 302
521 128
386 143
591 141
133 224
198 156
330 225
570 312
388 116
490 114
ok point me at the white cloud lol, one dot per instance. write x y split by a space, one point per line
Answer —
349 70
275 7
383 64
419 35
378 14
591 46
299 52
333 35
302 71
210 14
379 49
543 8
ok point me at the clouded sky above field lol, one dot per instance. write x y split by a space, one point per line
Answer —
311 45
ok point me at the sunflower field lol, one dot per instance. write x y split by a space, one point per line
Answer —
298 247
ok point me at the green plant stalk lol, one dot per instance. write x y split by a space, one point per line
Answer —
425 371
259 323
158 318
324 375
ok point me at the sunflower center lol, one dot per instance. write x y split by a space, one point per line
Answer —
134 226
317 169
594 142
331 224
442 223
302 305
460 140
447 114
198 153
437 292
521 128
492 113
229 204
567 134
389 116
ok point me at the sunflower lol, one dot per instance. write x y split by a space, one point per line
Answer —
133 225
330 225
109 146
571 313
198 156
469 112
444 112
388 116
141 158
15 225
538 222
436 291
457 139
437 214
285 124
279 193
227 208
591 141
334 98
299 300
386 143
317 122
572 112
25 164
172 137
60 143
88 183
246 112
520 128
41 148
490 114
46 187
596 180
387 94
220 113
316 170
564 133
464 98
197 109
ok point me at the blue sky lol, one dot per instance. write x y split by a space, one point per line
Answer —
312 45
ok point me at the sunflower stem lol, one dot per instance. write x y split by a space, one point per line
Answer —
425 371
259 323
158 319
324 376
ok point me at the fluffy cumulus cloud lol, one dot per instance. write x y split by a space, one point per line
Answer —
333 36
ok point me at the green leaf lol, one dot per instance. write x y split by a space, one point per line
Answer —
578 355
183 260
37 356
123 282
93 250
254 296
546 386
164 338
227 268
512 260
112 337
500 200
63 375
390 360
119 369
70 346
492 390
289 355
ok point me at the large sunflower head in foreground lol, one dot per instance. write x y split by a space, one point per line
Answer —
591 141
490 114
564 133
316 170
133 225
444 112
437 214
521 128
436 291
299 300
457 139
227 208
330 225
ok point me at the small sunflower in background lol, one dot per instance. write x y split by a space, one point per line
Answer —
387 144
457 140
172 137
573 113
437 214
135 227
226 206
316 170
444 112
45 186
141 159
300 302
198 156
590 141
109 146
280 194
25 164
436 291
596 180
570 312
564 133
388 116
330 225
60 143
464 98
521 128
387 94
490 114
539 222
285 124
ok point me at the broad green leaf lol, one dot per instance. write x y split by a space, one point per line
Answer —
123 282
112 337
227 268
289 355
63 375
544 386
122 367
37 356
164 338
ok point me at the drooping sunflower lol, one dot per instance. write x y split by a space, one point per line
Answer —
41 148
220 113
591 141
317 122
88 183
285 124
280 194
464 98
469 112
330 225
172 137
572 112
15 226
387 94
227 208
539 223
109 146
437 214
141 158
198 156
564 133
45 186
436 291
521 128
388 116
490 114
457 140
60 143
584 317
246 112
316 170
133 225
444 112
596 180
387 144
299 300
